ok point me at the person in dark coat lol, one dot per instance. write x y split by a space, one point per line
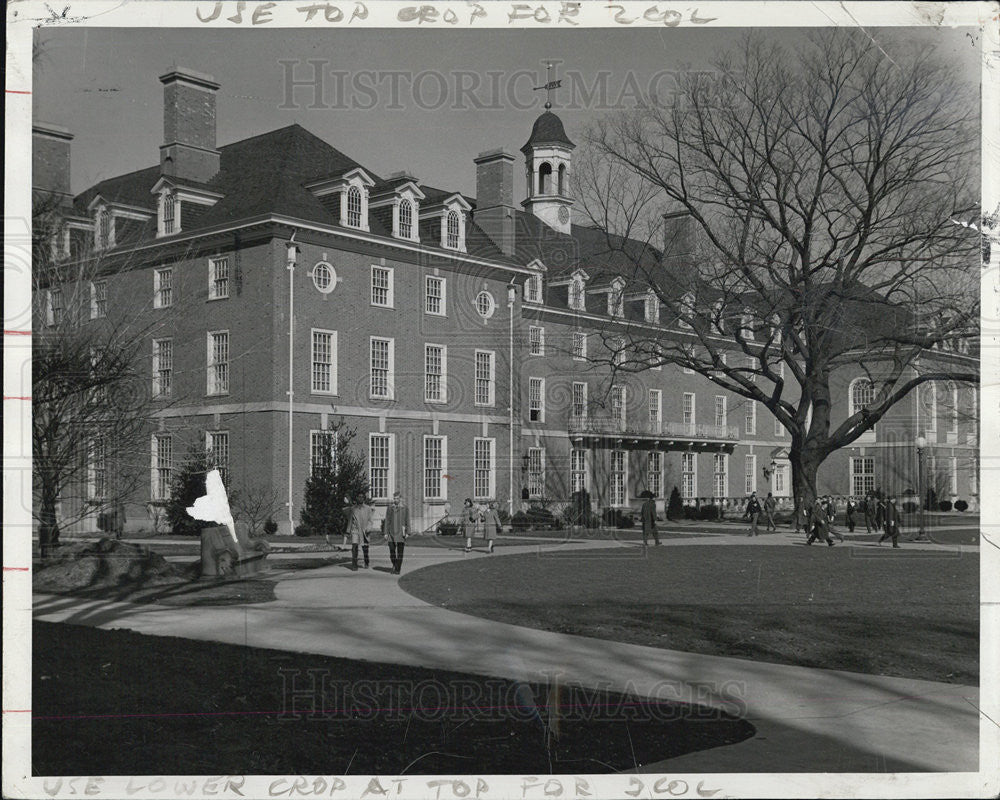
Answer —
491 524
869 511
831 514
849 513
879 513
648 514
753 513
469 519
396 528
819 525
770 504
891 523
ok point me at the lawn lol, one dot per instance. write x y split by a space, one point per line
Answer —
865 609
115 702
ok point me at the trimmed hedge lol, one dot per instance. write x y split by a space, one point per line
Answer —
945 505
961 505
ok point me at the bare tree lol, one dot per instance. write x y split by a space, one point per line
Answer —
92 391
255 503
827 195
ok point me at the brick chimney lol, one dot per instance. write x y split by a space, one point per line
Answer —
679 242
50 162
188 151
495 198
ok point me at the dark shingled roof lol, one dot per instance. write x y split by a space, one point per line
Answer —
548 129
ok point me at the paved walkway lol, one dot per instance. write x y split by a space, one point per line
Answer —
807 720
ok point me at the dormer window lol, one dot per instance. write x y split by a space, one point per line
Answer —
533 289
576 295
354 207
616 300
453 226
104 230
651 307
170 214
405 219
746 323
170 197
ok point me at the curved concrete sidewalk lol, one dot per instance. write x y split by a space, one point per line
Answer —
807 720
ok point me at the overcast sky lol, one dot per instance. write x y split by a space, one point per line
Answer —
102 85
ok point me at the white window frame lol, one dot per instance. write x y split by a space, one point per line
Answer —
720 477
441 469
212 386
577 295
616 302
750 418
319 440
953 428
536 472
159 389
651 307
390 468
579 353
389 288
750 472
536 410
355 217
618 490
161 467
215 291
852 405
491 477
619 405
861 481
167 226
655 409
390 393
98 304
490 380
413 224
578 472
212 439
536 340
314 387
582 404
160 291
930 426
104 239
721 410
443 299
689 409
533 289
654 472
442 376
689 475
97 469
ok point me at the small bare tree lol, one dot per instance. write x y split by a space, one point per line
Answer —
827 195
255 503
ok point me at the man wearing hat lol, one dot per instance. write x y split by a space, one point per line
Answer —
648 514
396 529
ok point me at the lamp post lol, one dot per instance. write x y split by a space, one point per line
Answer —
921 443
292 254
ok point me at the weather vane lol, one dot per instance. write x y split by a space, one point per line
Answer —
550 85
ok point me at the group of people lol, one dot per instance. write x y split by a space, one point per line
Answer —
480 522
755 509
395 529
817 520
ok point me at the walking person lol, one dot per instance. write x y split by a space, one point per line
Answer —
879 512
491 524
831 514
869 512
357 529
800 516
891 523
396 528
849 513
648 514
753 513
469 519
770 504
819 525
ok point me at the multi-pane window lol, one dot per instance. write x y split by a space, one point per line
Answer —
686 311
324 362
162 472
434 466
354 207
862 395
954 410
217 450
654 472
381 368
98 469
435 366
163 367
688 410
322 450
382 289
750 473
619 477
536 471
163 288
616 302
618 405
536 399
105 228
169 213
751 417
98 299
577 470
484 468
218 362
862 475
579 345
651 308
618 351
536 340
930 407
579 410
781 480
218 278
576 295
434 295
380 465
55 307
533 289
485 378
720 483
720 410
452 232
655 410
406 219
689 475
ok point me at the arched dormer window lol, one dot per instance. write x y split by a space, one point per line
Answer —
651 307
354 207
562 180
746 325
545 178
452 233
861 394
616 299
577 298
533 289
406 219
170 218
104 231
686 311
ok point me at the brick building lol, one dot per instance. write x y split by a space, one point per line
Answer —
288 285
